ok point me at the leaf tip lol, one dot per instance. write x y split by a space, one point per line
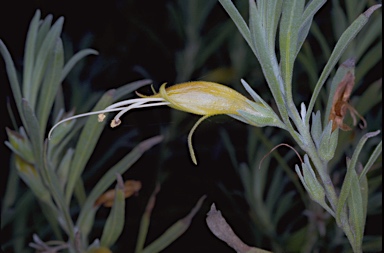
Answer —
372 9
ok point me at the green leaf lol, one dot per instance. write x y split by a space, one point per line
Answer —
316 128
267 58
11 195
283 205
42 60
87 141
75 59
61 132
253 93
246 179
354 8
356 211
372 33
29 55
30 176
368 61
322 40
109 177
363 182
33 130
339 20
145 221
229 146
339 49
312 185
288 38
306 21
272 15
328 143
20 145
236 17
375 154
262 116
257 34
87 221
44 28
308 62
64 168
13 80
52 181
79 192
212 42
50 85
115 221
347 183
174 232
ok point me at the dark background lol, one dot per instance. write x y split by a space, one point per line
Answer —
135 40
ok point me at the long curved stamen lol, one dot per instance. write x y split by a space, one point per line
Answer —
116 120
119 106
122 104
80 116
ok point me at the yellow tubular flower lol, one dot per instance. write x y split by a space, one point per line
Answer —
201 98
204 98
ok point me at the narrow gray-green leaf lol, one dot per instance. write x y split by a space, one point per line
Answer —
175 231
64 168
13 79
372 159
75 59
42 60
356 212
145 221
44 28
50 85
115 221
53 183
363 182
369 60
316 128
322 40
58 105
267 59
236 17
339 49
354 8
274 8
11 195
347 183
33 129
373 32
306 20
370 97
309 63
257 33
339 19
288 38
87 141
29 55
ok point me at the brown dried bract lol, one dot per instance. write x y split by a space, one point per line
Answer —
340 105
131 187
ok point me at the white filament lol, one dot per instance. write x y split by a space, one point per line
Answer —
122 107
